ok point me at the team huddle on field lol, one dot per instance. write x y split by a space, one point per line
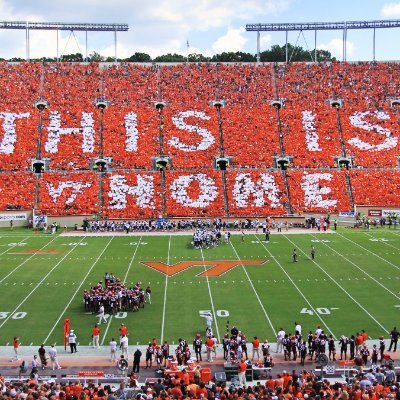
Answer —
114 296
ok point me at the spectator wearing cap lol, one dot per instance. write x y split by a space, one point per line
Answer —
71 337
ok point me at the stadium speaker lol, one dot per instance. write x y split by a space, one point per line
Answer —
323 360
159 373
122 364
220 377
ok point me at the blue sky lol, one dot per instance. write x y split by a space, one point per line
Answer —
211 26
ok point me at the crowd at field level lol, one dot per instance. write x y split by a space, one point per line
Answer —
379 382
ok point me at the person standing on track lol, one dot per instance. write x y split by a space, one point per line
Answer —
242 372
394 337
136 360
96 336
113 350
197 345
53 357
72 341
16 348
124 346
42 356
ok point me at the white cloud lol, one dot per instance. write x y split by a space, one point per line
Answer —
155 27
390 10
233 40
335 47
265 41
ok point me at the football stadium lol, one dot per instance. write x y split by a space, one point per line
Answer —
186 228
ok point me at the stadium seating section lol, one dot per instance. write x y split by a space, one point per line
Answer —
307 114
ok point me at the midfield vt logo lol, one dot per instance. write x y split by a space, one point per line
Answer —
217 268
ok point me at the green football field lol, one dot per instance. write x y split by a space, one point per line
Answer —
353 284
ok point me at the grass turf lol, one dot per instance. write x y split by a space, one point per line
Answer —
352 285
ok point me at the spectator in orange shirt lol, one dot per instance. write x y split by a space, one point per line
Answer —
15 347
123 331
202 391
96 336
185 376
359 342
210 348
176 391
364 335
256 348
242 372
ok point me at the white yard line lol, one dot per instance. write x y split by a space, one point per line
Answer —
317 314
38 284
211 299
78 288
360 269
369 251
132 258
255 291
165 293
342 288
25 261
105 333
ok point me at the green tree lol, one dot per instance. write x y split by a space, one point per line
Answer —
170 58
138 57
198 58
238 56
17 59
295 53
96 57
77 57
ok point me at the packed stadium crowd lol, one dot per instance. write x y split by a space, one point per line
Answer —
193 132
288 385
